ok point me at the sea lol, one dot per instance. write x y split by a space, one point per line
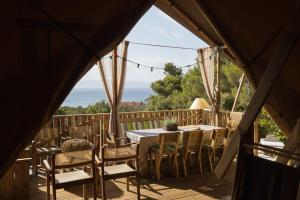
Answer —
86 96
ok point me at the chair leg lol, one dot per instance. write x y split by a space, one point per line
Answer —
169 161
84 191
127 183
200 162
103 189
175 163
138 186
157 167
54 193
48 187
151 166
210 161
95 188
184 165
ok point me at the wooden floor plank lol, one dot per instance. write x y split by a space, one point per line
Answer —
194 186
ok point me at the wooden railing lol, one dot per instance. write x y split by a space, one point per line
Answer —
101 120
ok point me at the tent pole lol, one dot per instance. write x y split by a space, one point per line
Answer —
115 88
218 89
237 94
284 47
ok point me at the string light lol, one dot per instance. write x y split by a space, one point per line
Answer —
152 68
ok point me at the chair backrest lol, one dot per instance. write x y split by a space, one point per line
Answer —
221 137
208 137
50 134
168 139
108 154
81 132
194 139
73 159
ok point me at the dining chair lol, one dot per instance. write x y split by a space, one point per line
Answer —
207 145
112 140
221 141
44 144
168 145
78 159
192 144
120 169
82 131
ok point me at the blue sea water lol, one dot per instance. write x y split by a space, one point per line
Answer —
85 96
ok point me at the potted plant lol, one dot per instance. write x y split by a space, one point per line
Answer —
170 124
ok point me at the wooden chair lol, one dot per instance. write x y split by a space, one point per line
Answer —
208 142
115 171
44 144
213 141
111 140
168 145
83 131
192 145
221 140
67 179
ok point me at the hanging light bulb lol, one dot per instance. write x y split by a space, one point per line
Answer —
138 66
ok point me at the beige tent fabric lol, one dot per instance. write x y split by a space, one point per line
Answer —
206 64
249 40
47 46
114 85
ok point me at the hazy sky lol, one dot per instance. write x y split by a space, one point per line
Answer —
157 28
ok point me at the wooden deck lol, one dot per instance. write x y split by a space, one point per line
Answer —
194 186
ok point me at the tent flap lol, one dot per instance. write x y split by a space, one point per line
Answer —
46 47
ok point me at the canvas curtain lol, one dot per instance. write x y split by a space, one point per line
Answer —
206 63
114 86
45 50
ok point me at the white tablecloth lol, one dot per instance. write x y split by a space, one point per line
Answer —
148 137
276 144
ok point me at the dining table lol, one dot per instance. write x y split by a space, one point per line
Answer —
148 137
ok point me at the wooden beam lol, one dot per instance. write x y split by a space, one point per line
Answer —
237 93
218 89
256 135
220 32
284 47
114 74
292 144
190 22
48 25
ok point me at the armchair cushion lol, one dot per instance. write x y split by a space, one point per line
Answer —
76 145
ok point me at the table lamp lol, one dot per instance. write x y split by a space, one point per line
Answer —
200 103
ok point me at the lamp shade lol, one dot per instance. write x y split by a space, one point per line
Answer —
200 103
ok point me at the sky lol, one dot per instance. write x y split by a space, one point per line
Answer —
155 27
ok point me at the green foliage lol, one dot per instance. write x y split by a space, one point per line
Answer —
67 110
99 107
171 82
266 126
230 80
175 90
169 121
192 84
